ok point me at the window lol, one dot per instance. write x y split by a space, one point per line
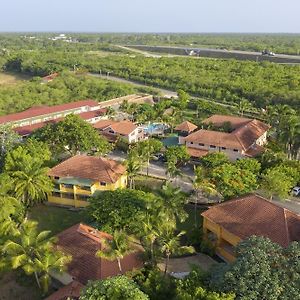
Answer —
68 195
223 148
67 186
111 131
212 146
102 183
200 144
56 177
235 150
56 194
85 188
56 186
82 197
192 143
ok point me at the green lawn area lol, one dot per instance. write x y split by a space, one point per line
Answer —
55 218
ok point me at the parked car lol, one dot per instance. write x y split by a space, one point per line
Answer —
296 191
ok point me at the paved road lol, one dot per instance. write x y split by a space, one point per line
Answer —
163 92
157 169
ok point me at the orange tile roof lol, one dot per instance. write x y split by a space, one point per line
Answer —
193 152
102 124
219 120
70 291
245 133
89 167
186 126
120 127
45 110
255 215
82 242
219 139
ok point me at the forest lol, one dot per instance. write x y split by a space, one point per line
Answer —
228 81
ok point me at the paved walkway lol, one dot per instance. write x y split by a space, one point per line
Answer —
185 264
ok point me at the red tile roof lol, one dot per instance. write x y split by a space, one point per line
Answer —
186 126
119 127
245 133
89 167
45 110
70 291
216 138
29 129
193 152
255 215
82 242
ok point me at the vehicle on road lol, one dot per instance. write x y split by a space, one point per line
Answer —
296 191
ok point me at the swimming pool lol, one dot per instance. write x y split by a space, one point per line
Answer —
155 128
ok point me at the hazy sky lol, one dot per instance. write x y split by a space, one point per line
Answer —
150 15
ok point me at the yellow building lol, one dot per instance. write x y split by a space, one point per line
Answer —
226 224
79 177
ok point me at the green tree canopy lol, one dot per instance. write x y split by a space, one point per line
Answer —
262 270
72 135
116 288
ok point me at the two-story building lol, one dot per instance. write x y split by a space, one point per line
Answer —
226 224
79 177
246 138
127 130
27 121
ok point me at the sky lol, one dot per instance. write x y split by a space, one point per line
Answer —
150 15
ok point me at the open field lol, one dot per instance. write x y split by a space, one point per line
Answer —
56 219
12 78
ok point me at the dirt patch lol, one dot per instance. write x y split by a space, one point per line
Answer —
185 264
12 289
11 78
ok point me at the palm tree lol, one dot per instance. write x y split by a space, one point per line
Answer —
29 181
203 187
172 171
244 105
116 248
174 201
133 166
169 244
34 253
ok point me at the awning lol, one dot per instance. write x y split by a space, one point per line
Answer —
76 181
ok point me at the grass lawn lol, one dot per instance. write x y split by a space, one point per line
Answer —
142 182
12 78
56 219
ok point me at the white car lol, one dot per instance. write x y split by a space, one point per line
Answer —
296 191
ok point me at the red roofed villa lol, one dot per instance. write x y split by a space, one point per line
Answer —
226 224
245 140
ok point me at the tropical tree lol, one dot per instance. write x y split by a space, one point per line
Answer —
244 105
116 248
133 165
34 253
172 170
262 270
173 201
146 149
113 288
28 177
169 243
277 182
203 187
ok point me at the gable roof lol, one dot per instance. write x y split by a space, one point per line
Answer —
186 126
82 242
36 111
89 167
70 291
255 215
219 139
246 132
120 127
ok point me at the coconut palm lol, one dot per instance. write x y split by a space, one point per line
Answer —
169 244
173 201
203 188
133 166
29 180
117 247
34 252
172 171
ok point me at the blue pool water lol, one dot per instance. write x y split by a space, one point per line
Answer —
155 128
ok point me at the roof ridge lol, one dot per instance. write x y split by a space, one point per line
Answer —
239 140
